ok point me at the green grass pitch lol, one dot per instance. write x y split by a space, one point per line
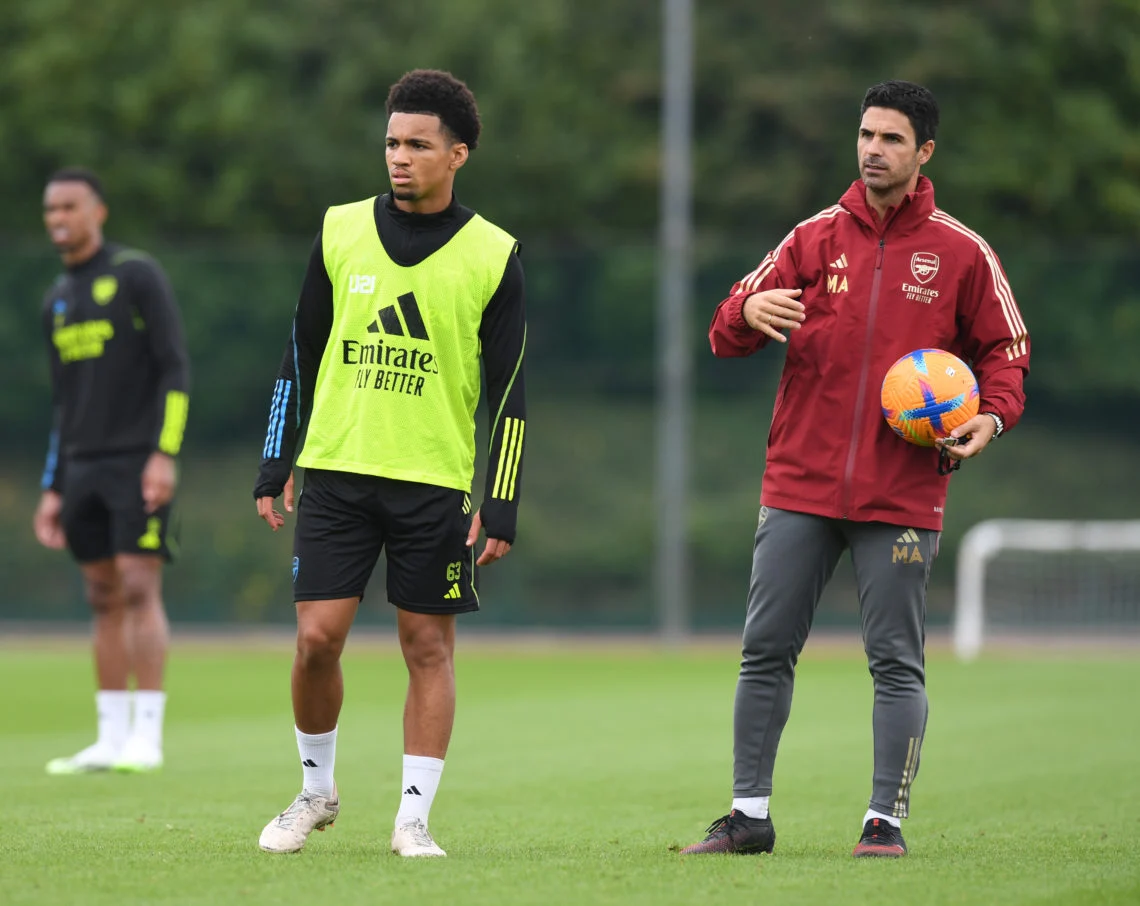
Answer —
574 775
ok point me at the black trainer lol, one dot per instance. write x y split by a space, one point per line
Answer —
736 833
880 838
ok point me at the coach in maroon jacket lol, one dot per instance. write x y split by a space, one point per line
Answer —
855 287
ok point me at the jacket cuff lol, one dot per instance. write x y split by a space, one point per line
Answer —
734 313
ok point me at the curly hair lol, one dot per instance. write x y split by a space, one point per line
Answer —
439 93
916 102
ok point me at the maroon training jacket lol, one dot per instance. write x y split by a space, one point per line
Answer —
872 292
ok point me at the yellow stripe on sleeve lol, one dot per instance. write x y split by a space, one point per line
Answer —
174 422
504 454
517 459
510 455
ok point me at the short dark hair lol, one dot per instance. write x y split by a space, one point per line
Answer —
908 98
433 91
79 174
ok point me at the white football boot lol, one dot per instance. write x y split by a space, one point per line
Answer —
411 838
288 831
99 757
138 756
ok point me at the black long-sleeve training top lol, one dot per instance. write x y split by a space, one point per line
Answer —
120 371
408 239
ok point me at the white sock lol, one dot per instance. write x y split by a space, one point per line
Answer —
419 783
150 704
890 819
754 807
318 758
113 707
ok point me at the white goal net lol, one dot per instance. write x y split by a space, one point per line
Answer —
1043 577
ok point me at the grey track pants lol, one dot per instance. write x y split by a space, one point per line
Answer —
793 559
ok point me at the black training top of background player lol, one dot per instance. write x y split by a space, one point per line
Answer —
116 347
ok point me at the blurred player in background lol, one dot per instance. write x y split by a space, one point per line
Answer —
857 286
404 292
120 378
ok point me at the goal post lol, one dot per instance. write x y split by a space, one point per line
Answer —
1086 577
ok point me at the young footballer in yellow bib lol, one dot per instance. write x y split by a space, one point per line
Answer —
405 293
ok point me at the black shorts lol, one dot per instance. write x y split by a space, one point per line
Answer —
103 511
345 520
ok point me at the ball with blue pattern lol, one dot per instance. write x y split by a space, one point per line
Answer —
927 394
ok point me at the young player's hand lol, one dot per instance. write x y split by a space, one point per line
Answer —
773 311
46 524
970 438
268 512
496 548
159 479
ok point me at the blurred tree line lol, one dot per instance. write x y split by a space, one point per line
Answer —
246 117
223 128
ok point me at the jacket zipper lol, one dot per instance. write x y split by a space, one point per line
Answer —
872 308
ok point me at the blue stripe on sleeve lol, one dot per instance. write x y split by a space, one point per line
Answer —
281 419
269 434
52 461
